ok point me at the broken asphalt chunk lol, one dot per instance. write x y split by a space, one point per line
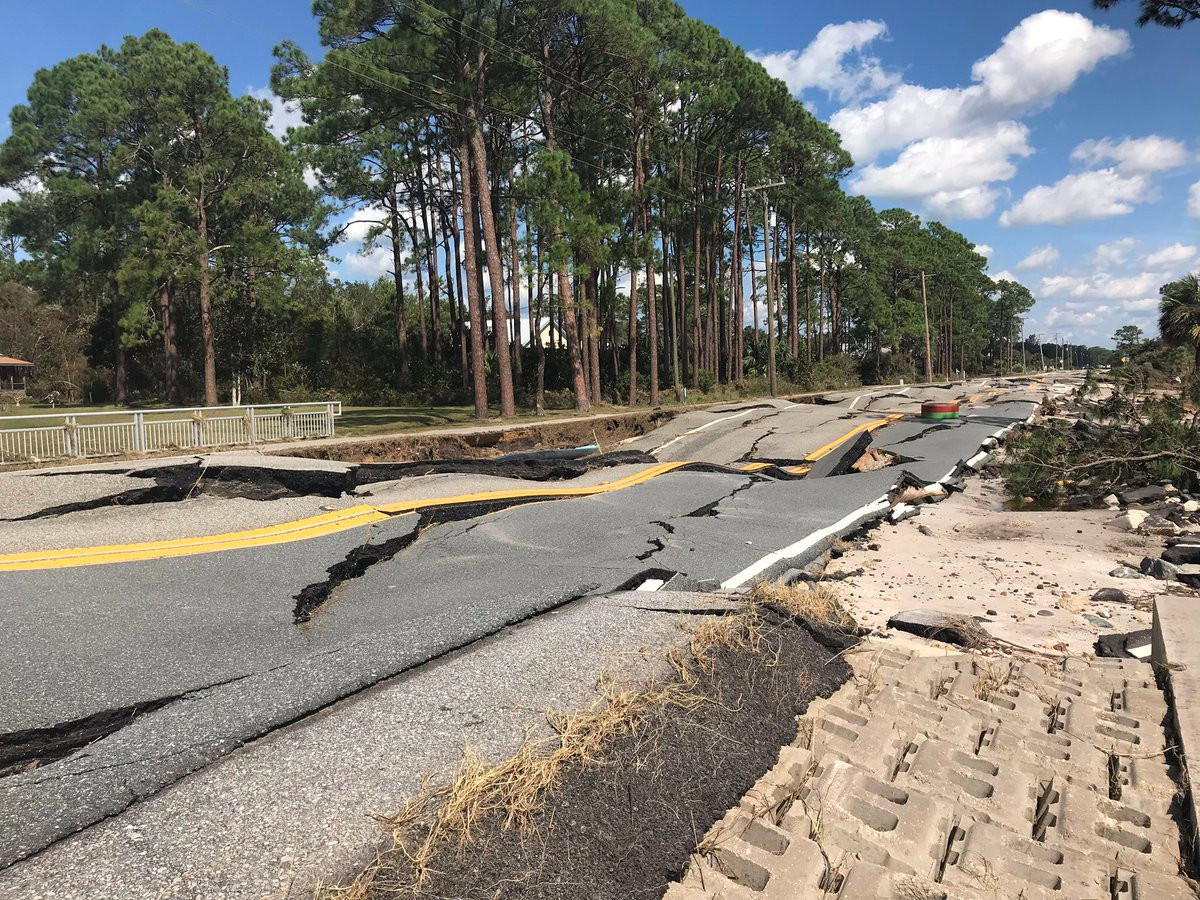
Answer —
937 625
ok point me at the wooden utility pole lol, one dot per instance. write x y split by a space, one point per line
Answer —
928 346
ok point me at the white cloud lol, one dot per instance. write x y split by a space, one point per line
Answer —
954 172
1113 253
362 221
1146 304
1039 59
310 177
1040 257
1059 315
1193 206
284 114
1096 194
968 203
834 62
1004 275
7 195
1102 286
372 264
984 250
1169 257
1133 155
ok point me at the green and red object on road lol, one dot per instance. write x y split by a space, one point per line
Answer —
947 410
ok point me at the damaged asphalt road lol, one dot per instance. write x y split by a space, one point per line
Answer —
198 477
158 667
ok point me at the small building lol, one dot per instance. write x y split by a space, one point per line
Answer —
14 374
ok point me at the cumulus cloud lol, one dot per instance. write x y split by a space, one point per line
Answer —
1146 304
1095 194
1193 206
834 62
1038 60
1133 155
361 223
1063 315
1004 275
283 115
1040 257
953 172
1102 286
372 264
1113 253
984 249
1169 257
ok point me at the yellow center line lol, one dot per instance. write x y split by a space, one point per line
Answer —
352 517
299 529
865 426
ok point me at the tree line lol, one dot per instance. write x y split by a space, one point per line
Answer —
573 203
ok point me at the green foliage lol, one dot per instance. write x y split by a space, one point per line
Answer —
1137 437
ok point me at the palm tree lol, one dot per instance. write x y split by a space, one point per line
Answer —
1179 313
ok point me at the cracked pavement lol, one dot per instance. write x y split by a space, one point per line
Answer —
218 638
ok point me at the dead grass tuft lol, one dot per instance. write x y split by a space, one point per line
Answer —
515 789
816 601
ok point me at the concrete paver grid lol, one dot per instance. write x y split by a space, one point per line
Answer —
960 777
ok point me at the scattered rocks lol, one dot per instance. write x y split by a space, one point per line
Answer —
1182 554
1110 595
1097 621
1111 501
1191 506
1131 520
1081 501
1125 572
1157 525
1045 612
1160 569
1151 493
925 530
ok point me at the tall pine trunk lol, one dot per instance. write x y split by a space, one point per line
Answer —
166 310
474 297
206 321
495 274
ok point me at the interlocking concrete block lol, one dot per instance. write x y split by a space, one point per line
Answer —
982 856
960 777
866 881
1001 794
744 857
872 818
1072 816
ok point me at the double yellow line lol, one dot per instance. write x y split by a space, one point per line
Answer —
301 529
356 517
830 447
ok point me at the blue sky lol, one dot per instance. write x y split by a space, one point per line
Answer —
1063 139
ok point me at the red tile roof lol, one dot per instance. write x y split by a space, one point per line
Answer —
9 361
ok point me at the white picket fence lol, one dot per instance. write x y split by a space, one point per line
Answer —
26 439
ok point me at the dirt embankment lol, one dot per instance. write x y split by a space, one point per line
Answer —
489 444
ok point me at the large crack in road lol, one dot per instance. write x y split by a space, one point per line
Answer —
183 481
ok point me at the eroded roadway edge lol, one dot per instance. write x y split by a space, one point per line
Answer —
381 628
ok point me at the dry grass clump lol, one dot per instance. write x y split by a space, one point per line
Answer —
815 601
516 788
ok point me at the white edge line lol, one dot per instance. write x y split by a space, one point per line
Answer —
701 428
804 543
